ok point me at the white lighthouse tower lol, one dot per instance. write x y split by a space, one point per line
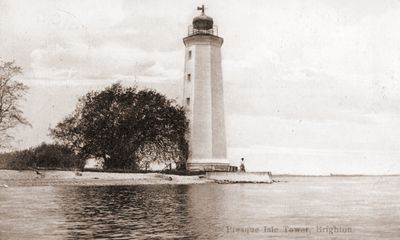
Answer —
203 96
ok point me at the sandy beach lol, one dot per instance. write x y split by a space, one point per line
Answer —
11 178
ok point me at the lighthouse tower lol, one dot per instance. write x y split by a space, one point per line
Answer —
203 96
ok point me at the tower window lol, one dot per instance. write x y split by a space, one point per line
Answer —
189 77
187 101
189 54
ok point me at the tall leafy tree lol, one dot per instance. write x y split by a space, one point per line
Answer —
11 92
125 128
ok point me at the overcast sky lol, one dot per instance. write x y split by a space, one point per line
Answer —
311 86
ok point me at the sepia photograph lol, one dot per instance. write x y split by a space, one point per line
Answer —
174 119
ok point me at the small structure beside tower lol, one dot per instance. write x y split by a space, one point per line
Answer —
203 96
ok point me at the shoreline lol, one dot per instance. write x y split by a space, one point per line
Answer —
13 178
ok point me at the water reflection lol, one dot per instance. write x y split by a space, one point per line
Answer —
369 205
125 212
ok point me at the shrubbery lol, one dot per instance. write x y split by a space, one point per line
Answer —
45 156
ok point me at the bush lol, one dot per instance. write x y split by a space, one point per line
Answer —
45 156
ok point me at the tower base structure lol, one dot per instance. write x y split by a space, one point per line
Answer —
209 165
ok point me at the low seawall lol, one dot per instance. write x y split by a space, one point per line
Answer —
240 177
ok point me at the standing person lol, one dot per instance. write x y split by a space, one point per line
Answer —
242 169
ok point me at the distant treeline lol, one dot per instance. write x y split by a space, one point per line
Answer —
44 156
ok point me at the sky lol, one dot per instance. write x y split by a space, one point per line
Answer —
311 86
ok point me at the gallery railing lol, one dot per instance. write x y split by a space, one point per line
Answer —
194 31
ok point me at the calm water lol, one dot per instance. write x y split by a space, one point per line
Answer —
368 206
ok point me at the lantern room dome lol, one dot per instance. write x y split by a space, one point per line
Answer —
203 22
